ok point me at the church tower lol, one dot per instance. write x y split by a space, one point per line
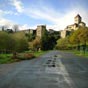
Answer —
77 19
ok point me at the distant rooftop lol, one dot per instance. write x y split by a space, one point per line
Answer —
77 16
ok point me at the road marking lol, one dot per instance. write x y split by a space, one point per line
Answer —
66 75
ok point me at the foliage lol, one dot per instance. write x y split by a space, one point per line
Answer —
48 40
5 58
8 58
12 42
63 43
21 42
83 36
25 56
35 44
80 37
6 42
44 41
52 39
30 36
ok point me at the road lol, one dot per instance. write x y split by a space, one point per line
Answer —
55 69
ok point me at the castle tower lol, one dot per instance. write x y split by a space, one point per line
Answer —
77 19
40 30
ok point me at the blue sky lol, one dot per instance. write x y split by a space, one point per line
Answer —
56 14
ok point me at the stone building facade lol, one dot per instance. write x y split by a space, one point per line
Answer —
40 30
77 23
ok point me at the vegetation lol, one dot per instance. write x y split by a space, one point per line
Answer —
9 58
63 44
48 40
6 58
77 40
15 43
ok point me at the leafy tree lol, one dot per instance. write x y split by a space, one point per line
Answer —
74 39
83 37
6 42
3 41
30 37
48 40
80 37
21 42
37 43
63 43
44 40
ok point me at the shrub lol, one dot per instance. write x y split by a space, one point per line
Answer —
25 56
28 56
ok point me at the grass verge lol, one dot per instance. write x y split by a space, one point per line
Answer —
7 58
79 53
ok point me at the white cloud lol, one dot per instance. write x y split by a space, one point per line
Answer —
18 5
7 12
58 19
5 22
23 27
42 13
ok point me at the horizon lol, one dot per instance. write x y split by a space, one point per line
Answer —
55 14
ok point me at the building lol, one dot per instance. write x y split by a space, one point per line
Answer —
64 33
77 23
51 31
41 29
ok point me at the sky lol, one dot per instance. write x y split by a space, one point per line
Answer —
55 14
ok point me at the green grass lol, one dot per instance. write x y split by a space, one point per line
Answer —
37 54
7 58
79 53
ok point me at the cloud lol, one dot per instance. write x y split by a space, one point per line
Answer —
5 22
59 19
23 27
7 12
42 13
18 5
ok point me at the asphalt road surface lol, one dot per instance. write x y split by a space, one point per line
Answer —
53 70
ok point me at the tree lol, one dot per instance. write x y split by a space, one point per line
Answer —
80 37
10 43
74 39
44 40
3 41
30 37
48 40
83 37
6 42
37 43
63 43
21 42
52 39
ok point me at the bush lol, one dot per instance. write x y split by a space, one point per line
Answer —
28 56
25 56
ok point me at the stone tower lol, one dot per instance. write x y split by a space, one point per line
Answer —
77 19
40 30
